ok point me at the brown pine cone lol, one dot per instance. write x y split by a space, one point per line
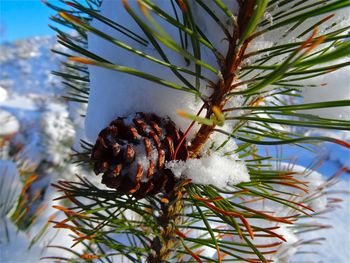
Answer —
131 153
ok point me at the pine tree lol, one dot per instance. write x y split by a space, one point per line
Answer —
162 203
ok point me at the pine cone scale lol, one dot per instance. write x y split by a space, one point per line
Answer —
151 168
129 154
156 128
170 147
148 146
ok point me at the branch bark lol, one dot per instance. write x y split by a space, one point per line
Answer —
166 242
232 61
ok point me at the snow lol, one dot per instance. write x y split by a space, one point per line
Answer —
336 239
16 250
336 246
22 103
218 165
290 34
26 67
8 123
210 27
76 115
3 94
197 233
215 169
59 135
315 182
288 249
114 94
330 87
10 186
45 136
339 154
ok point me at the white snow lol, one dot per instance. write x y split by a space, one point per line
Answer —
218 166
8 123
289 34
332 86
76 115
210 27
33 100
16 249
10 186
114 94
334 152
337 153
215 169
205 251
315 182
288 249
336 239
23 103
3 94
336 246
58 136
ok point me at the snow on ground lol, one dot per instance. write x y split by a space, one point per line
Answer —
16 249
10 187
336 246
331 158
33 111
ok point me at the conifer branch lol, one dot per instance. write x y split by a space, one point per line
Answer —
231 63
164 219
166 242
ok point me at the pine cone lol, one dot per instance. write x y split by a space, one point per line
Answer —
131 153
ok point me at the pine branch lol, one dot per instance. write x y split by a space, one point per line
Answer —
166 242
232 62
165 221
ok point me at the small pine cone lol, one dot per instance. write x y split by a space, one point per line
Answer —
131 153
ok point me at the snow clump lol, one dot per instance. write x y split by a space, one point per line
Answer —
8 123
214 169
218 166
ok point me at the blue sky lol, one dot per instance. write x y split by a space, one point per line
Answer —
24 18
